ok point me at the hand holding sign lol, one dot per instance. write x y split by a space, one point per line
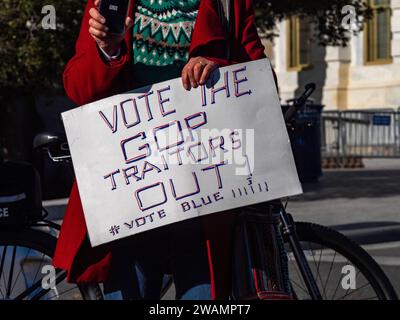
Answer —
196 72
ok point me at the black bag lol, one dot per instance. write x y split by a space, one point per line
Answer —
260 263
20 194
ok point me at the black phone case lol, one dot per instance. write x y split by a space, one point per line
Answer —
115 13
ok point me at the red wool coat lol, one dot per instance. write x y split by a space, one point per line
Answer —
88 78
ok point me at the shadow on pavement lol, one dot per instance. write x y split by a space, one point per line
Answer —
371 232
353 184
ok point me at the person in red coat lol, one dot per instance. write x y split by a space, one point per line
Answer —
104 65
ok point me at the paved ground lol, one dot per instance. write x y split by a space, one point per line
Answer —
350 196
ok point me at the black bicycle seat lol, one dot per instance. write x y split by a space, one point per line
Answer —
47 139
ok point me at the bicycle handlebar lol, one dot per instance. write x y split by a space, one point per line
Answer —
299 102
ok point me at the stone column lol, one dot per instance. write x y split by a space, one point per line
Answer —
396 31
335 91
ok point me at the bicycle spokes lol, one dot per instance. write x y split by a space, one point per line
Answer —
22 276
336 277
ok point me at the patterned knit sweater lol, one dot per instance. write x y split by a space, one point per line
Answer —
161 38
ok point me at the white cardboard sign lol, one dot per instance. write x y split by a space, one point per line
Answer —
160 154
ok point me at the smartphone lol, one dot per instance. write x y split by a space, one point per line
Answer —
115 13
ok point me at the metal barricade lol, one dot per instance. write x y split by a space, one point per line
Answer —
359 133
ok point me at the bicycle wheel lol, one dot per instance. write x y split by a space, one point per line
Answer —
25 264
341 268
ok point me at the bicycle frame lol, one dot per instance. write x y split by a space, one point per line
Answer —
289 231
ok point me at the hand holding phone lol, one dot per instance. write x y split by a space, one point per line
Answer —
109 31
115 13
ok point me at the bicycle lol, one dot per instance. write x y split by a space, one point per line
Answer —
26 272
312 249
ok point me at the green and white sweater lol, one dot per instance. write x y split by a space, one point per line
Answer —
161 38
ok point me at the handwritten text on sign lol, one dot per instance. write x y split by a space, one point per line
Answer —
159 155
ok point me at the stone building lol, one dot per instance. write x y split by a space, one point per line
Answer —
363 75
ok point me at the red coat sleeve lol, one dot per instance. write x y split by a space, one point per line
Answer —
209 37
87 77
210 40
246 31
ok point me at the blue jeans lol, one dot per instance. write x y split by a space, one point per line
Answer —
140 263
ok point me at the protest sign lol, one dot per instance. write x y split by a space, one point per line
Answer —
161 154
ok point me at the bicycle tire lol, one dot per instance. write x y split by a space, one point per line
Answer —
44 243
332 239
